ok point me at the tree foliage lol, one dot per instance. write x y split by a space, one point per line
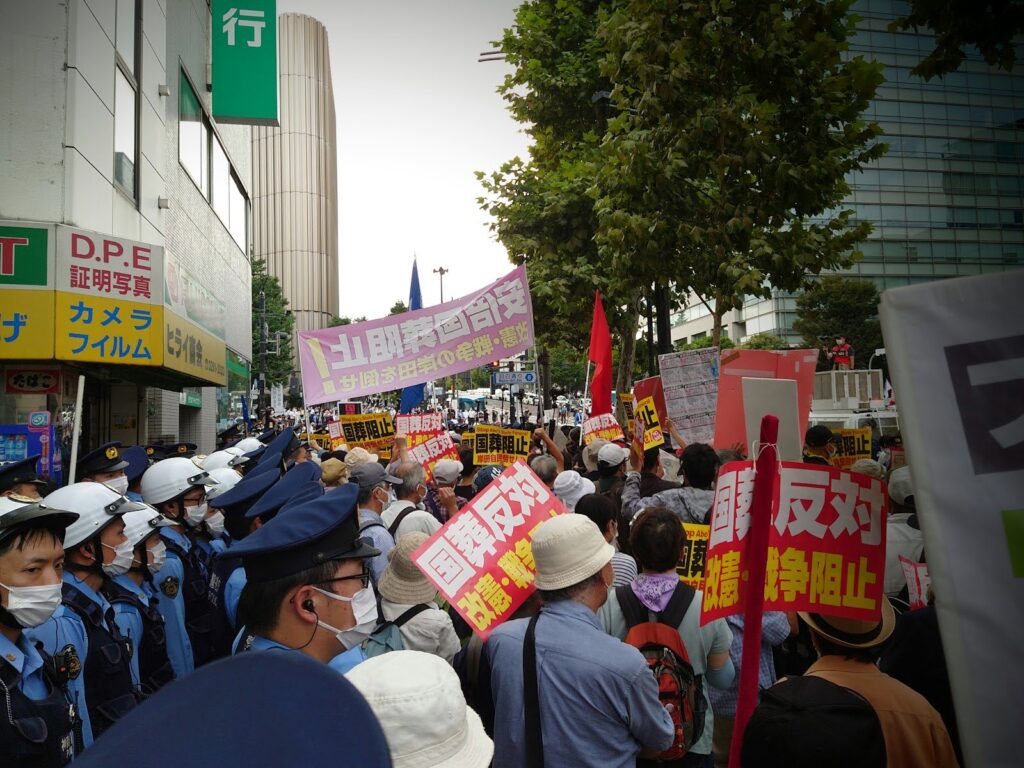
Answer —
736 122
764 341
279 320
840 305
988 25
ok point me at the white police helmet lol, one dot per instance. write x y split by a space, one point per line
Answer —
226 479
247 444
171 478
225 458
140 523
97 507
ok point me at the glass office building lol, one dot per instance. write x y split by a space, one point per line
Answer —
947 199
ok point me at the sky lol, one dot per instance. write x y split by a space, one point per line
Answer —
416 116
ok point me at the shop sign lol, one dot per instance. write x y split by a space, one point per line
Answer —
31 381
245 61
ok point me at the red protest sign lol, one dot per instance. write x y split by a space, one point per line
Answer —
602 426
918 582
651 387
406 424
429 448
482 560
826 545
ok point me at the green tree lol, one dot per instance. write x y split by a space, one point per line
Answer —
280 324
336 321
398 308
840 305
703 343
988 25
764 341
735 123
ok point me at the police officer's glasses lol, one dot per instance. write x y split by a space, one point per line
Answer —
363 577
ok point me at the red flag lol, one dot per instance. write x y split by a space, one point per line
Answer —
601 356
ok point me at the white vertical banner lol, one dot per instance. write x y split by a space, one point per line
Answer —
955 350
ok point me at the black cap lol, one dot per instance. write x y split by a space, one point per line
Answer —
106 458
156 452
246 492
317 532
818 436
227 435
266 436
18 472
184 450
285 443
284 489
809 721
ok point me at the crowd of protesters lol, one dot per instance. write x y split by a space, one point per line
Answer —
158 561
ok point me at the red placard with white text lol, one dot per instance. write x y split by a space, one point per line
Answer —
826 545
428 448
602 426
482 559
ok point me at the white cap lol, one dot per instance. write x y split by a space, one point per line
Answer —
171 478
570 486
447 471
417 698
568 549
224 458
901 485
247 444
612 454
97 506
226 479
140 523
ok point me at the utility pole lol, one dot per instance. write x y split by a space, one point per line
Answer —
263 355
441 272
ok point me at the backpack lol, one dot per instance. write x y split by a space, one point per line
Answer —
656 636
387 635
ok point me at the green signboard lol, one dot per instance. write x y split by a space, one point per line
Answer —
24 256
245 61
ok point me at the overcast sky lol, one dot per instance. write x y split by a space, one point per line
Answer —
417 115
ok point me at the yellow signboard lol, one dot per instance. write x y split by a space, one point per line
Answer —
190 349
26 324
97 329
648 414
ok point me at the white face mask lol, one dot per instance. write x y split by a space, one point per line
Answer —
195 514
122 559
215 524
118 484
31 606
364 608
159 552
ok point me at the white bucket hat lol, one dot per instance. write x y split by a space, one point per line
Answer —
570 486
418 701
402 582
568 549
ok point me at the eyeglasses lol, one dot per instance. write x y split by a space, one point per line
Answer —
364 578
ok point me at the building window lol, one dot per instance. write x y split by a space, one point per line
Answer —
193 135
126 98
239 210
221 194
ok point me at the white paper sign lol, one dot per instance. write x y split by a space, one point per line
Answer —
779 398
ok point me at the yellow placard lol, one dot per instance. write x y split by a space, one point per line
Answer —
496 445
26 324
852 445
648 414
97 329
192 350
626 398
693 555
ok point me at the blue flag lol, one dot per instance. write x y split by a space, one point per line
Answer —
413 396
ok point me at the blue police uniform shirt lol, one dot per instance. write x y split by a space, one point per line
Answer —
172 608
27 662
135 496
346 660
206 546
377 533
65 628
129 620
233 593
219 546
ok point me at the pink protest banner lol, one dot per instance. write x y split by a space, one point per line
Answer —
482 559
602 426
428 448
918 582
826 546
415 347
408 423
737 364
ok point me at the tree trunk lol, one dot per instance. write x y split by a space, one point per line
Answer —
716 329
627 330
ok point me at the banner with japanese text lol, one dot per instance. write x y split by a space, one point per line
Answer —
852 445
416 347
647 413
690 382
826 546
195 322
481 560
407 423
335 435
693 554
603 426
373 431
651 387
26 290
428 448
498 445
918 582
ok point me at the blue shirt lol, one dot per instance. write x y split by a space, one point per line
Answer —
378 535
233 593
65 628
172 608
341 663
598 700
774 629
26 660
129 621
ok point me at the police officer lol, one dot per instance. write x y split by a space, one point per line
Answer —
213 524
19 478
84 636
309 584
104 465
176 488
138 463
136 609
31 560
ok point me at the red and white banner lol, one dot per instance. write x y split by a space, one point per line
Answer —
826 545
602 426
482 559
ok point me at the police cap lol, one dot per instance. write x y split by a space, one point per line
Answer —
106 458
19 472
284 489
